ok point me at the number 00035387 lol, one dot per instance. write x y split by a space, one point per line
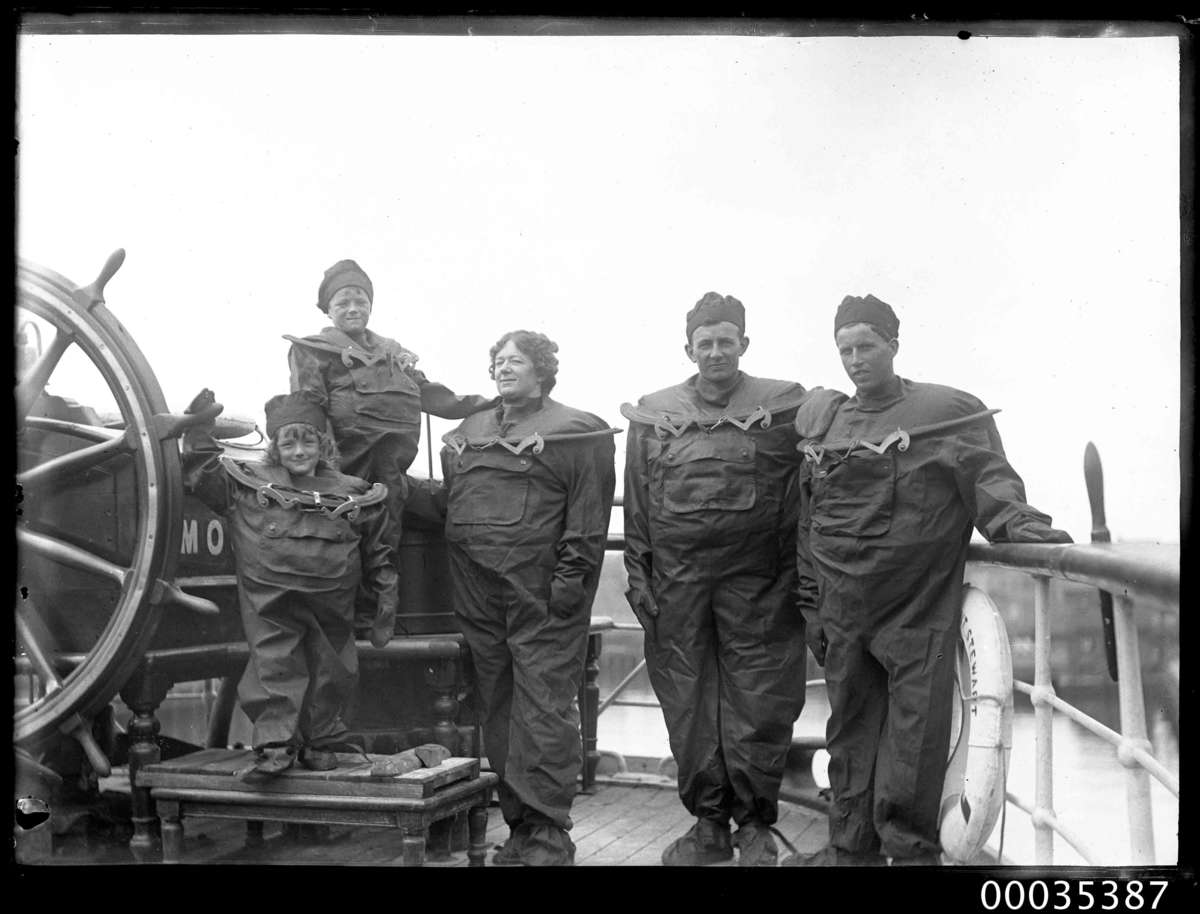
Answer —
1072 894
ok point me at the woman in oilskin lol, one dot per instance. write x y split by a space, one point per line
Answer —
530 489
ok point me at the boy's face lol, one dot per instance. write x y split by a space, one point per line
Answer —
299 449
350 310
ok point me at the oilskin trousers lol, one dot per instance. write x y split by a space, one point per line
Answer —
890 694
528 670
376 455
727 662
303 665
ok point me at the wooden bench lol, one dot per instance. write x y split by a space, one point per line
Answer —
205 783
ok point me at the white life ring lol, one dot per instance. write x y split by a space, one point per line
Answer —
981 731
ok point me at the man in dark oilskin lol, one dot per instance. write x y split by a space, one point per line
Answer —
883 538
371 391
530 491
711 506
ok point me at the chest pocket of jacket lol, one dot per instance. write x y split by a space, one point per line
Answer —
308 543
385 391
709 473
856 497
489 487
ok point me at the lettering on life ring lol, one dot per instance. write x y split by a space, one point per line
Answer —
981 731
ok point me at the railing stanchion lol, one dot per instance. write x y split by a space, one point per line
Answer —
1133 732
620 686
1043 689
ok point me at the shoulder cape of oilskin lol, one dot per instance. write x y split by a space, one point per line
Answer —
334 504
900 437
534 443
676 424
352 352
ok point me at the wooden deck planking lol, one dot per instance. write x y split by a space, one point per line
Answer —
617 824
643 822
648 839
621 803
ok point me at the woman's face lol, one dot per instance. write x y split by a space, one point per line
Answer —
516 378
299 449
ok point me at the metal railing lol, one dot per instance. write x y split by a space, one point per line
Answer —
1136 576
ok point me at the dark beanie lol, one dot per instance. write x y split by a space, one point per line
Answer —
868 310
341 274
287 409
714 308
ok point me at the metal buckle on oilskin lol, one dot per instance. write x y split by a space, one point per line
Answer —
899 435
535 443
330 504
663 425
813 452
268 493
759 414
404 361
816 453
350 508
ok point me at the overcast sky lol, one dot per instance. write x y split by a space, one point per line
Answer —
1015 199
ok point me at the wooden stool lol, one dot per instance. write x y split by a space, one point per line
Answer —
205 783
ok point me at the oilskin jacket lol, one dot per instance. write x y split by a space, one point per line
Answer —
372 392
301 554
282 540
373 396
883 540
711 505
530 493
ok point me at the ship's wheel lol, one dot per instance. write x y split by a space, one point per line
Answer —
99 507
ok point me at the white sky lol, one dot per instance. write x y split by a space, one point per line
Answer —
1015 199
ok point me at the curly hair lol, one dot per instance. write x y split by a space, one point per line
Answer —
538 347
327 454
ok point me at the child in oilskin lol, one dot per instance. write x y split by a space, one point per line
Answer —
304 535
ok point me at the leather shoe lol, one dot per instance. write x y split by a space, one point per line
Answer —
704 843
833 856
318 759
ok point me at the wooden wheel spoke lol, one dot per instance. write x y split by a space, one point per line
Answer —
76 461
76 726
39 657
34 382
73 556
94 639
78 429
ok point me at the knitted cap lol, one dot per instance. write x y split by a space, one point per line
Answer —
868 310
714 308
287 409
341 274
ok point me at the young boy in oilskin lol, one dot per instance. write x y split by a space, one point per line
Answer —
303 535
